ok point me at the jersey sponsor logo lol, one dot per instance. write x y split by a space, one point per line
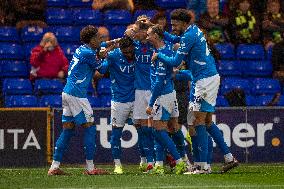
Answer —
146 58
200 63
127 69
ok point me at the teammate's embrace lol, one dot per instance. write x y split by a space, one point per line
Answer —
76 107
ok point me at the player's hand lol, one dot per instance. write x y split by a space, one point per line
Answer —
61 74
154 57
103 53
149 110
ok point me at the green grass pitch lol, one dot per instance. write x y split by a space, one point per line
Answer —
245 176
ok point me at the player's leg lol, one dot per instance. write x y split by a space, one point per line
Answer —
210 153
143 161
64 138
160 157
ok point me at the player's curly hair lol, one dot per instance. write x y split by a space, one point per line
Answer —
87 33
125 42
158 29
143 22
181 15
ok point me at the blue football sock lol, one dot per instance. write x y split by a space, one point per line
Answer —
163 137
218 138
140 142
115 142
148 143
178 139
195 153
210 150
62 143
159 151
90 142
202 139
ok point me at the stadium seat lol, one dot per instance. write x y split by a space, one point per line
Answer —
79 3
149 13
91 90
116 31
269 53
69 49
54 101
88 16
94 101
11 51
56 3
226 50
250 51
32 33
21 101
221 102
9 34
105 101
229 68
265 86
250 100
14 69
263 100
17 86
171 4
234 83
48 86
117 17
28 49
57 16
281 101
257 68
103 87
66 34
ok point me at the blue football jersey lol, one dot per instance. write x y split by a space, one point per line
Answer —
122 75
161 76
143 55
80 71
195 52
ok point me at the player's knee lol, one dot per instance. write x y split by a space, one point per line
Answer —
160 125
198 121
68 125
88 124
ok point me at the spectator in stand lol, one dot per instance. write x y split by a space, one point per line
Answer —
273 24
104 33
214 23
278 67
245 24
105 5
161 19
48 60
29 12
7 17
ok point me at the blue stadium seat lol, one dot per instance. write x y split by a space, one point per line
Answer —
105 101
88 16
9 34
54 101
91 90
28 49
69 49
149 13
17 86
103 86
263 100
269 53
32 33
257 68
116 31
221 102
14 69
265 86
250 100
250 51
79 3
66 34
21 101
171 3
94 101
281 101
117 17
229 68
11 51
226 50
48 86
56 3
232 83
57 16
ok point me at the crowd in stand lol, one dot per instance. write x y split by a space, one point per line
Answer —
225 21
